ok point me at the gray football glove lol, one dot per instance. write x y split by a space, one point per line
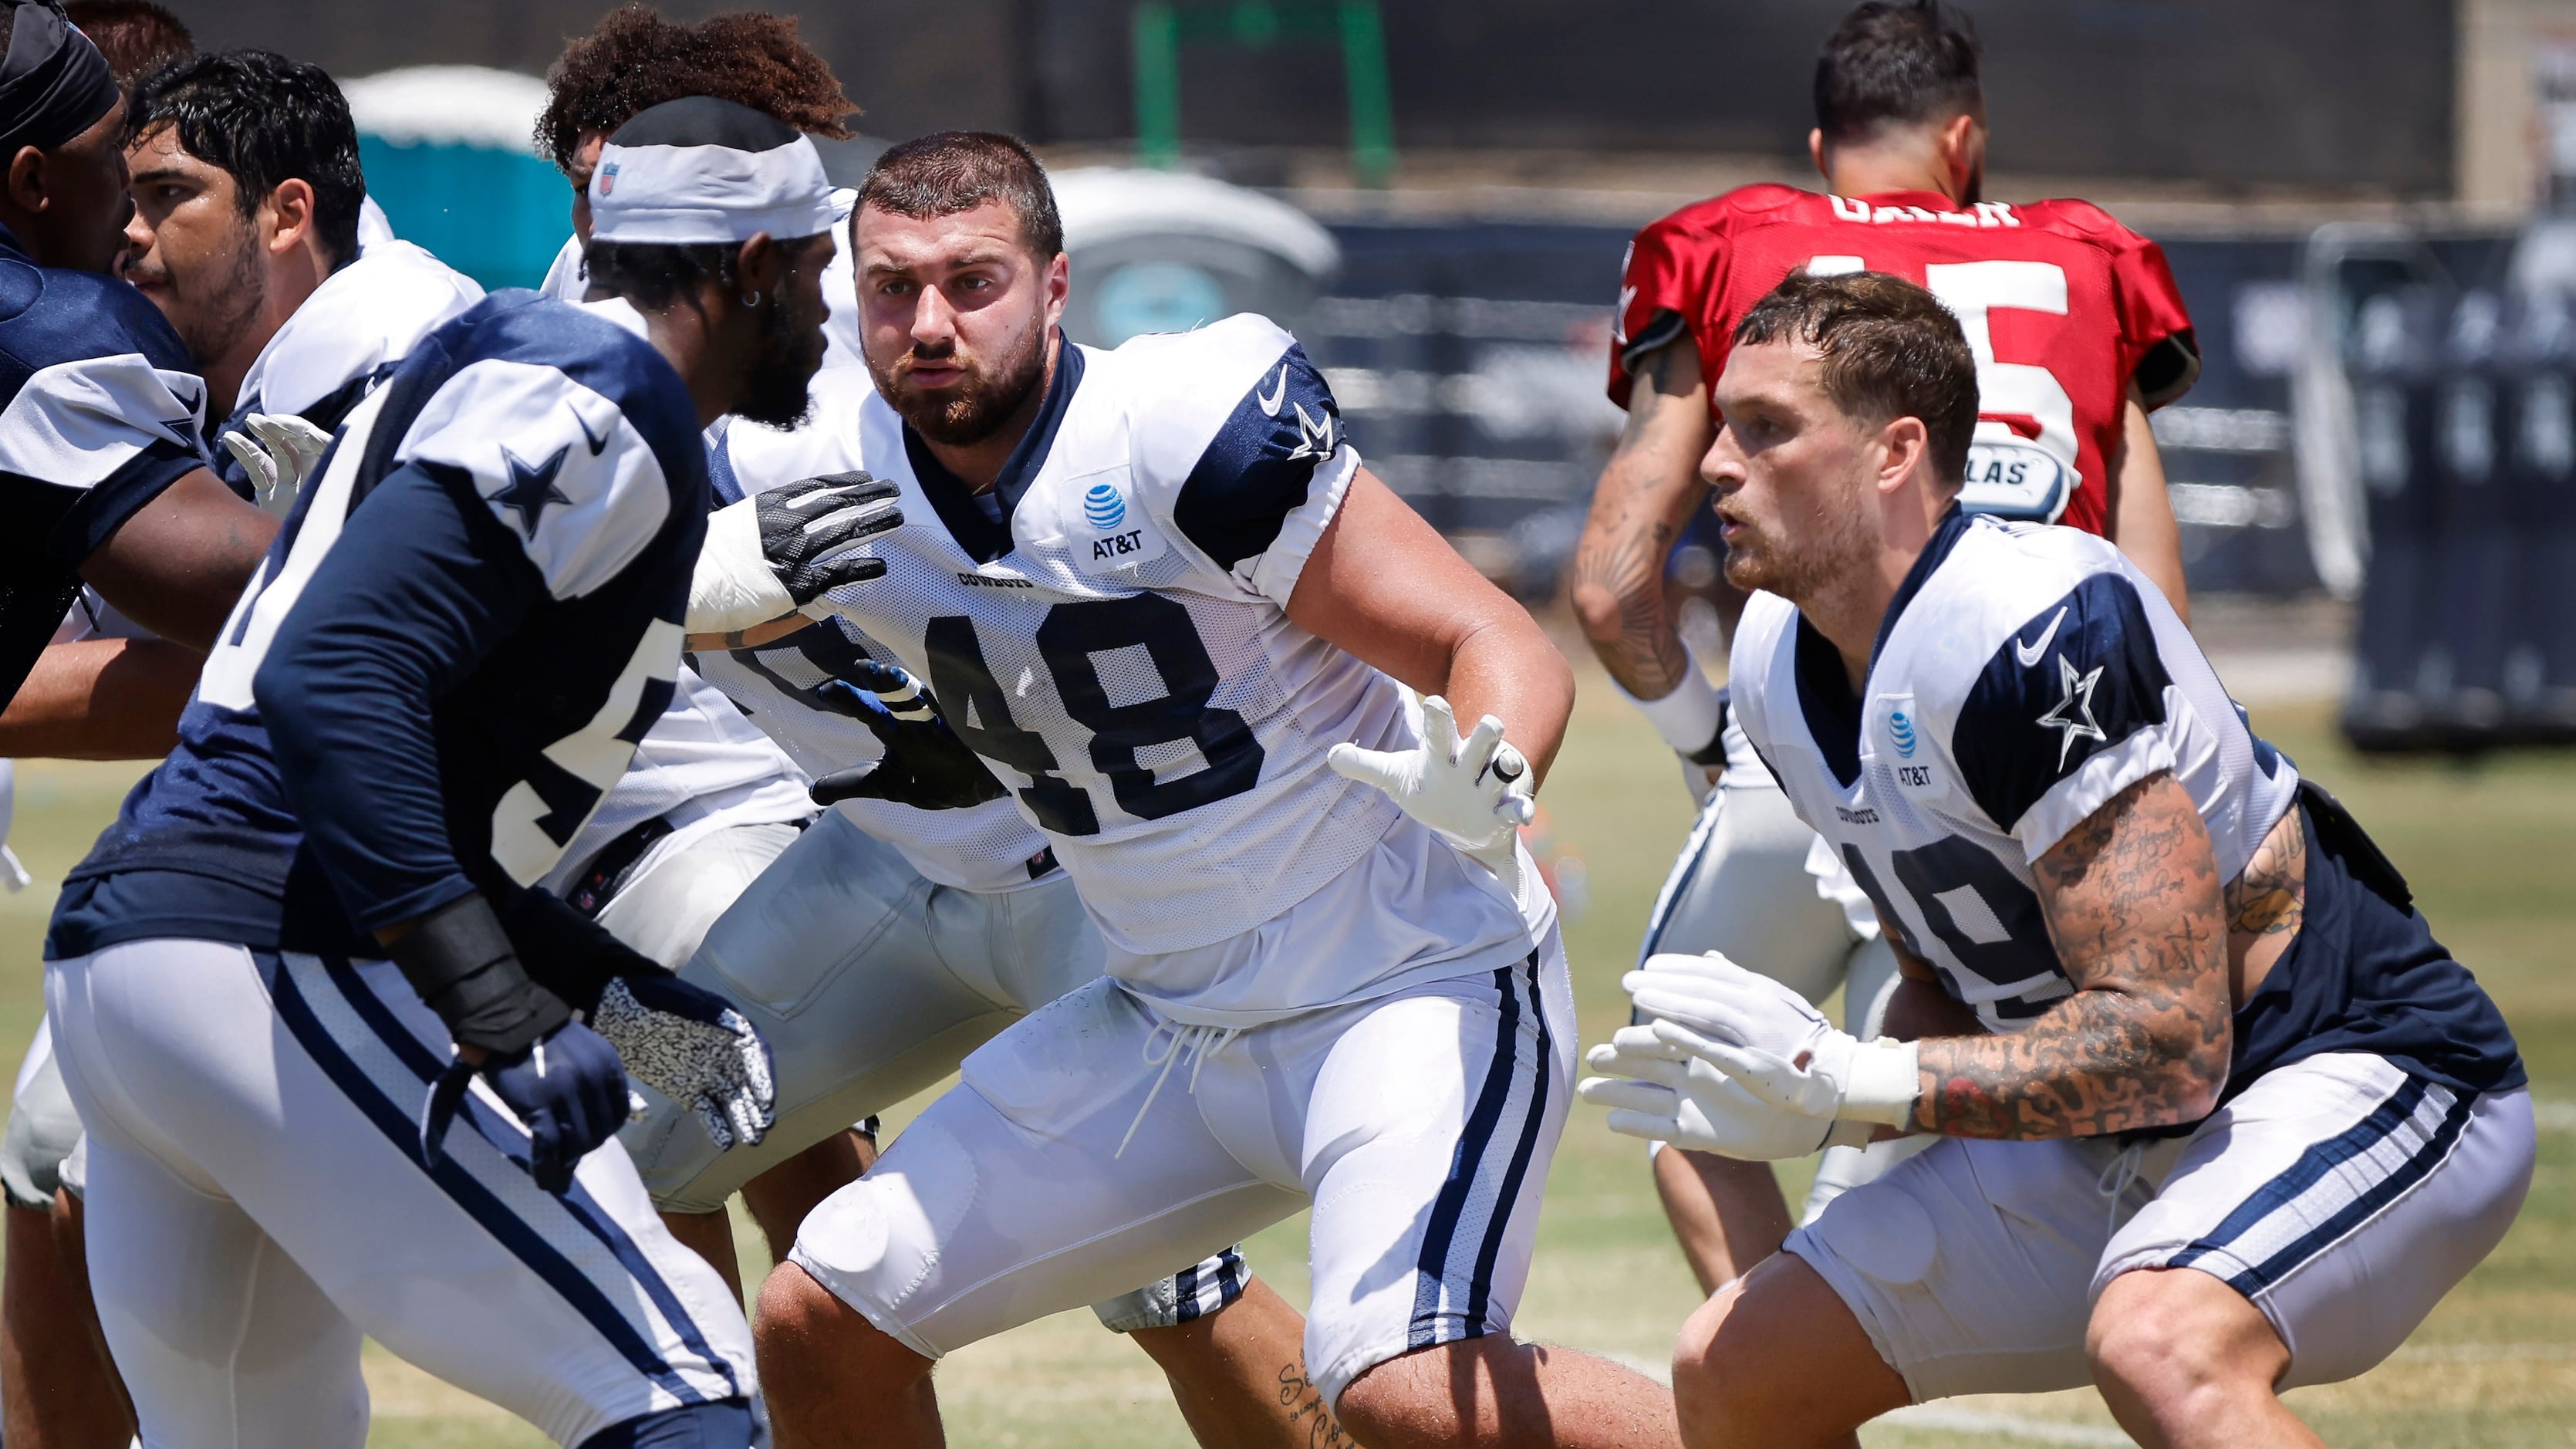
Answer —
693 1048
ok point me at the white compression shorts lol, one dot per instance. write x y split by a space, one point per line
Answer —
1098 1142
2340 1195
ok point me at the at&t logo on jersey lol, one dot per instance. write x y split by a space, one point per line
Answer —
1118 538
1103 506
1900 729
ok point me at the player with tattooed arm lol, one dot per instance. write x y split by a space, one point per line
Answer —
2212 1112
2077 331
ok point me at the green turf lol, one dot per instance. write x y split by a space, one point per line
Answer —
2487 845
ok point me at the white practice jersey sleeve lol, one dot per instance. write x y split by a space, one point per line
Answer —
2029 675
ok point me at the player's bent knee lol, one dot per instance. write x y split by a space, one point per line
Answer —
725 1425
805 1330
2168 1336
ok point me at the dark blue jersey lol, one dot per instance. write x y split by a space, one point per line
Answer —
99 412
445 661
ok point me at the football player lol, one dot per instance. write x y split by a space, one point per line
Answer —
124 553
911 934
2078 331
1157 592
2212 1113
246 236
329 1044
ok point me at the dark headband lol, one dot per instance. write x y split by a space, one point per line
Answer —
53 83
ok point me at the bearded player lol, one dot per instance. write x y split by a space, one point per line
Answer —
1157 592
2077 332
2211 1112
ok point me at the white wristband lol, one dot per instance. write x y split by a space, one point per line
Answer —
1885 1080
733 587
1688 718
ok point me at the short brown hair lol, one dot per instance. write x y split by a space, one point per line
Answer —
954 171
133 36
634 60
1891 350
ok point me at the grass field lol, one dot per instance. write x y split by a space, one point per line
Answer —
2489 849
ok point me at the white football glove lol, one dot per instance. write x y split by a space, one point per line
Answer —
1663 1093
279 456
1476 795
1768 1038
780 552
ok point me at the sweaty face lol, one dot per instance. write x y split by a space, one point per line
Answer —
1794 476
954 312
791 337
193 250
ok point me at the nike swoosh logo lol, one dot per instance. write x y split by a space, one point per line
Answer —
597 441
1270 403
2031 654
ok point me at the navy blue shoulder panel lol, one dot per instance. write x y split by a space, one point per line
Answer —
1257 470
2079 678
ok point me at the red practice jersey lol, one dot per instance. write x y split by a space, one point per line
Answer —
2063 306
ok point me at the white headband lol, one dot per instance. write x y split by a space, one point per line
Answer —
676 190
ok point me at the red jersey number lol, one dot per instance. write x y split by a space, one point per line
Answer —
2023 461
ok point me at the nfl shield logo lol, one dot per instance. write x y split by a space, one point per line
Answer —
608 179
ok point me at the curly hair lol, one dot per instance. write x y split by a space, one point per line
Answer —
133 35
635 59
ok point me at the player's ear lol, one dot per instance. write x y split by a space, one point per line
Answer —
1816 152
1906 447
26 180
288 214
759 268
1959 147
1059 285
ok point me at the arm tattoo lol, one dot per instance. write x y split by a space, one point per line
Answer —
1305 1405
2270 898
2133 907
1624 543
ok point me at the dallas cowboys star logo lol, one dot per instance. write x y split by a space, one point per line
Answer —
530 489
2073 715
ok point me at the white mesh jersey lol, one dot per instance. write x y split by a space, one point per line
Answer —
986 848
2026 675
1118 645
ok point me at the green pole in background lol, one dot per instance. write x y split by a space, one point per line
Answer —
1158 85
1372 100
1158 27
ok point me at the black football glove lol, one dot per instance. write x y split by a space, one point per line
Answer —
924 765
776 553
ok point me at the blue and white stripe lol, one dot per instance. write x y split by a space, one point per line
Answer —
572 1243
2334 1188
1208 1285
1472 1213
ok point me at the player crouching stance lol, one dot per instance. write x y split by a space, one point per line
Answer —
472 613
1155 589
2171 1008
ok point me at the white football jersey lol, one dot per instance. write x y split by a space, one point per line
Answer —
1118 648
2026 675
986 848
357 326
